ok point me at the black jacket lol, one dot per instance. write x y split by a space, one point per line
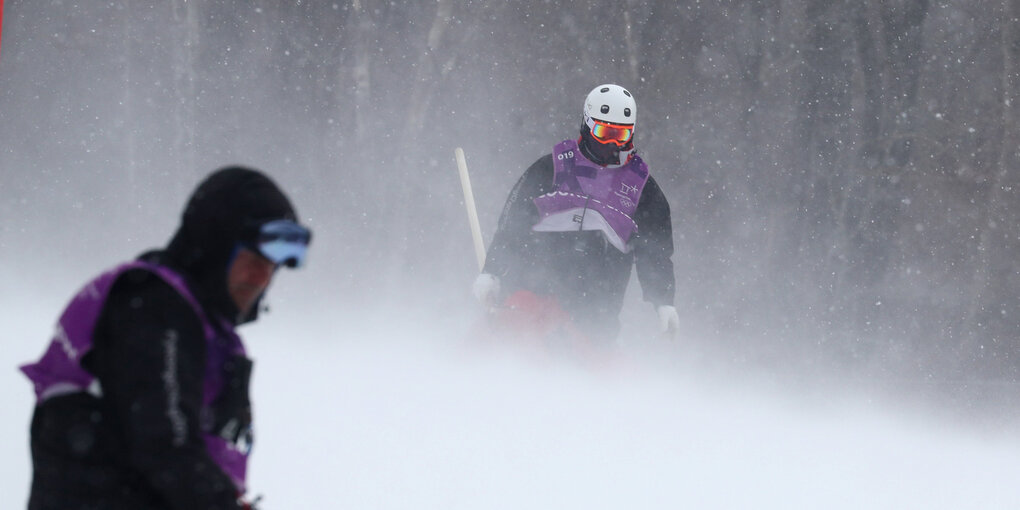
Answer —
581 269
139 445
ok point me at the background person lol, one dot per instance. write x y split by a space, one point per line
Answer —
575 224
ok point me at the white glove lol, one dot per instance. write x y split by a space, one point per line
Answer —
486 288
669 321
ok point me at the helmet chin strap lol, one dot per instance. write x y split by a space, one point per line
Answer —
622 156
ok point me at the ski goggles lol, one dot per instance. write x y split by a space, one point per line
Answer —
283 242
606 132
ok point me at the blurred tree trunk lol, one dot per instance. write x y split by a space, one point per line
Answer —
434 60
633 55
186 41
428 72
127 99
889 47
993 313
671 38
360 70
888 59
771 120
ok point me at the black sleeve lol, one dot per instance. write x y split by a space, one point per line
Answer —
150 361
653 246
519 215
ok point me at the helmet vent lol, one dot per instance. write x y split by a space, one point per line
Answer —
604 90
626 93
626 112
605 108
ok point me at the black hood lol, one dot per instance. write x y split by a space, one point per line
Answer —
221 212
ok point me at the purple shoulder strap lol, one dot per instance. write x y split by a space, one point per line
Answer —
59 370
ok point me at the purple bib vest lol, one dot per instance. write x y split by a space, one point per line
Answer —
59 371
592 197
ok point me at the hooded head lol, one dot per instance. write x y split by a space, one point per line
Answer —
222 216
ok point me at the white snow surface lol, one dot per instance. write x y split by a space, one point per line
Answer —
364 408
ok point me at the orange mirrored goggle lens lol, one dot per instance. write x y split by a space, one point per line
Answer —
605 132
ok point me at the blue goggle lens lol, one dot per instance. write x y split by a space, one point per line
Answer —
284 242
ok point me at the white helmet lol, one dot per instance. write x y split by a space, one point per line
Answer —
610 103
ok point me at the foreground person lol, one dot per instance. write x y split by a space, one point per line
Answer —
142 394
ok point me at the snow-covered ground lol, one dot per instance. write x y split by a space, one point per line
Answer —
364 408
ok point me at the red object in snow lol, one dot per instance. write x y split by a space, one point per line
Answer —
537 318
540 326
541 330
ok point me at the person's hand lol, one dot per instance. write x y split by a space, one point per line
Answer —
486 288
669 321
248 505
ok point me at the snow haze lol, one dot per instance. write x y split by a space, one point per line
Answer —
391 408
844 216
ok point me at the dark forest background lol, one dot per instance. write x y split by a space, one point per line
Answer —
843 174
